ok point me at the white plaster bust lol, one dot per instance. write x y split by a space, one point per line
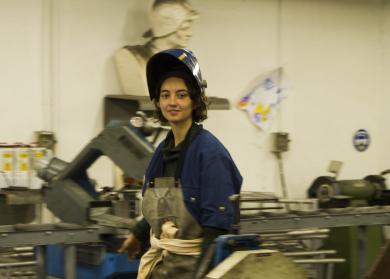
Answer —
171 27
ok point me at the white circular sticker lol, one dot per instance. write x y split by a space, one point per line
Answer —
361 140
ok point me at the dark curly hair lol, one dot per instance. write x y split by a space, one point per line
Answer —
198 97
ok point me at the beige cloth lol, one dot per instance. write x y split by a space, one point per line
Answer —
166 243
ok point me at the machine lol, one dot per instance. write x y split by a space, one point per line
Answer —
89 223
369 191
72 197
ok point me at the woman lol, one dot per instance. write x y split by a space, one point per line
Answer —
190 177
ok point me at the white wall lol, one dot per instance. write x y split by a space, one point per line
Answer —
335 55
84 72
20 70
331 51
240 45
384 104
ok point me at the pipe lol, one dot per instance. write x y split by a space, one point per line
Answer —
2 265
318 261
310 253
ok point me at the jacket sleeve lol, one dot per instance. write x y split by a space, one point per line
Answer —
219 180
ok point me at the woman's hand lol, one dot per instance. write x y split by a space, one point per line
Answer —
132 245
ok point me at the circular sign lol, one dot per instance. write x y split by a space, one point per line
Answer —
361 140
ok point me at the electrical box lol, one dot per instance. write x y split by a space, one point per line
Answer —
335 167
280 142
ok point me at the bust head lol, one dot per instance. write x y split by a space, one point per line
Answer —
171 20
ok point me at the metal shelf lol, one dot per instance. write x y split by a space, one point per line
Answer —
35 235
357 217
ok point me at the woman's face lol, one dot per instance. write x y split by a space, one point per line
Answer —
175 102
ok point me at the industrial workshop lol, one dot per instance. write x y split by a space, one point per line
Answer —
195 139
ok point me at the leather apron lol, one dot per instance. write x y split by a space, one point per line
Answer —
163 203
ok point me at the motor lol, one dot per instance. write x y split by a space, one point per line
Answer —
369 191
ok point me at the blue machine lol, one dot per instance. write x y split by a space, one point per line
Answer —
229 243
117 266
111 266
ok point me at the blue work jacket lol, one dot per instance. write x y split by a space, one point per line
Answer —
208 177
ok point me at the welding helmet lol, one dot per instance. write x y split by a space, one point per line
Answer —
167 16
173 60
